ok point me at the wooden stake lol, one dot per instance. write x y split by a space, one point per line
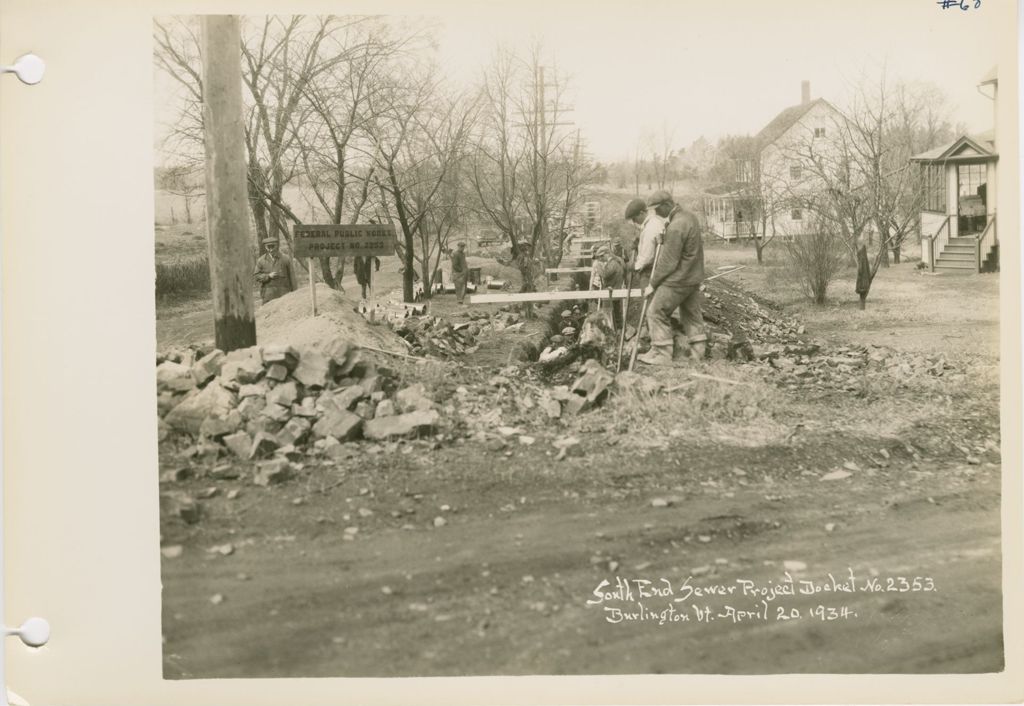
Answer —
227 197
312 285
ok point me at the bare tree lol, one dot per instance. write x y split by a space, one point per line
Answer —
184 181
419 136
528 173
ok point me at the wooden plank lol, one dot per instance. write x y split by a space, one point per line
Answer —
554 296
565 270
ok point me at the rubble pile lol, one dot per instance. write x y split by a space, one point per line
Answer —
848 368
431 335
263 402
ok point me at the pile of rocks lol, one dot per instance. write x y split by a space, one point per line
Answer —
432 335
256 402
847 368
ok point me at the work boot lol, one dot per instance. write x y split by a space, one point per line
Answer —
658 355
681 347
698 349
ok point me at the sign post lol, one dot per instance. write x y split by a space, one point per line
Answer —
312 284
333 240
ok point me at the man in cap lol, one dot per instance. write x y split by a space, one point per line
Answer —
651 227
460 271
275 272
675 284
609 271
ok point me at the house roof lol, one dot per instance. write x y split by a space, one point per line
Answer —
784 121
976 146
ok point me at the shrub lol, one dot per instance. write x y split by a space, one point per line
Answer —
183 277
815 258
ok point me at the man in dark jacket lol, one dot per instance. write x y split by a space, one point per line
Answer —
460 272
675 284
275 272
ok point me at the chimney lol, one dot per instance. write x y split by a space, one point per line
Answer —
805 92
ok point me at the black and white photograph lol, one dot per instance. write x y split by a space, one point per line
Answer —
581 339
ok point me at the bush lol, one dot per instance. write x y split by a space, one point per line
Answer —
815 258
183 277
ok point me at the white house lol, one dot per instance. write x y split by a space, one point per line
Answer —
958 217
776 176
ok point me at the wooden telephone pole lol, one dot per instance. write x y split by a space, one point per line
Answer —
227 201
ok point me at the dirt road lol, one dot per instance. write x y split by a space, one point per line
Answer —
465 558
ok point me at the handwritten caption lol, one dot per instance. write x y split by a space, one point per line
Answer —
661 601
964 5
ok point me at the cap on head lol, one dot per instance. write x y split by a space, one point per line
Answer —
601 251
659 197
634 208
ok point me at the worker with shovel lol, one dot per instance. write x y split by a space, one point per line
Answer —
675 284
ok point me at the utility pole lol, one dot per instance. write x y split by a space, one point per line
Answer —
227 200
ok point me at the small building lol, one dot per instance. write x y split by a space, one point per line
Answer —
730 212
958 213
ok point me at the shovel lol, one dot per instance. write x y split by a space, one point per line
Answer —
625 314
643 314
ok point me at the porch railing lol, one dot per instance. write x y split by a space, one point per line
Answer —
937 240
986 240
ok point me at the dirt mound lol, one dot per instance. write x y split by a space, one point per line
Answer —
288 321
730 309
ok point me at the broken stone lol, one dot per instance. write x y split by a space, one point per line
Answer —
660 502
851 466
180 505
339 424
216 428
224 471
385 409
163 430
208 367
440 521
277 413
166 401
251 407
217 598
243 366
174 377
593 383
551 407
307 408
258 389
419 422
575 404
284 394
211 401
281 355
366 409
263 445
222 549
413 398
277 372
272 472
315 369
294 431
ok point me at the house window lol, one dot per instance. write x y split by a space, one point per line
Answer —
819 132
796 214
933 180
795 171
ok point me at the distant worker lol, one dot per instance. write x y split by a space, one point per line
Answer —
675 284
460 271
651 226
610 273
275 272
364 269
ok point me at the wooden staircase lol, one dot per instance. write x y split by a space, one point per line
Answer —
958 254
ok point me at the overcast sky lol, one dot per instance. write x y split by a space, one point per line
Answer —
714 68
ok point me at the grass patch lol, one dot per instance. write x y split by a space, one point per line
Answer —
187 276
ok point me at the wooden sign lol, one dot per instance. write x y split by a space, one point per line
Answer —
343 240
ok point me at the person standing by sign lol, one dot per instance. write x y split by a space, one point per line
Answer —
275 272
460 272
364 268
